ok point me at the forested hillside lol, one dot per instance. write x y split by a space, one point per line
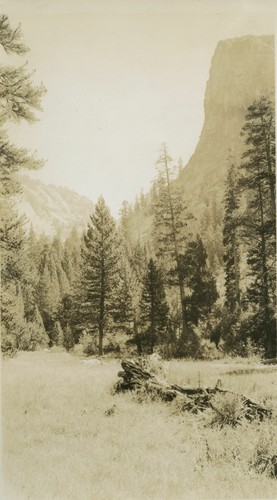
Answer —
149 282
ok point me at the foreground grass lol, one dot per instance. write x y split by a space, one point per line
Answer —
65 436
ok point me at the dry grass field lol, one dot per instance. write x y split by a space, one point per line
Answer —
66 436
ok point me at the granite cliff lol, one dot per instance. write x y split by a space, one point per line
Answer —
242 70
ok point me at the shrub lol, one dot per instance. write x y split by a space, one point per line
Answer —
167 351
264 456
111 344
68 339
117 344
8 343
32 338
209 351
239 334
38 338
57 334
23 338
228 408
87 345
155 364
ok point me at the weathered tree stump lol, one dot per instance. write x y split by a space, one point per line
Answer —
135 377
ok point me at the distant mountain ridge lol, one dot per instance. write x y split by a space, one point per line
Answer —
50 209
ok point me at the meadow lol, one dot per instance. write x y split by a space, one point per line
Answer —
66 435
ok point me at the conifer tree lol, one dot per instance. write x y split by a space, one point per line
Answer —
38 337
71 258
170 231
12 315
101 269
48 291
231 242
70 314
125 298
259 222
201 292
211 232
57 336
30 276
57 249
68 338
153 307
12 242
19 99
259 133
136 267
124 222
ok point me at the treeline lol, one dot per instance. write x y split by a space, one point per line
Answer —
104 291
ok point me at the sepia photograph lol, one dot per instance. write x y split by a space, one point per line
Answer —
138 250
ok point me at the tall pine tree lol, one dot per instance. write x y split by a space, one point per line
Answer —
19 101
259 221
170 231
101 269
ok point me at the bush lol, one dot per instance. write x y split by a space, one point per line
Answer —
87 345
32 338
264 458
57 334
111 345
23 338
238 334
228 408
68 339
155 364
117 344
208 351
8 344
167 351
38 338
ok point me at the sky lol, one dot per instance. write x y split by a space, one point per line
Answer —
122 77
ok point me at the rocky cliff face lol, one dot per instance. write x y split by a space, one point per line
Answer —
50 208
242 70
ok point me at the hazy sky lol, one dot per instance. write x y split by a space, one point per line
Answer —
121 81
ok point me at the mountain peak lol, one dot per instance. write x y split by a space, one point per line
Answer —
50 209
242 70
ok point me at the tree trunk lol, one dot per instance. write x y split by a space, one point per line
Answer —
102 308
100 344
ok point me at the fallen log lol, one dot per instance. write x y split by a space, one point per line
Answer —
135 377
